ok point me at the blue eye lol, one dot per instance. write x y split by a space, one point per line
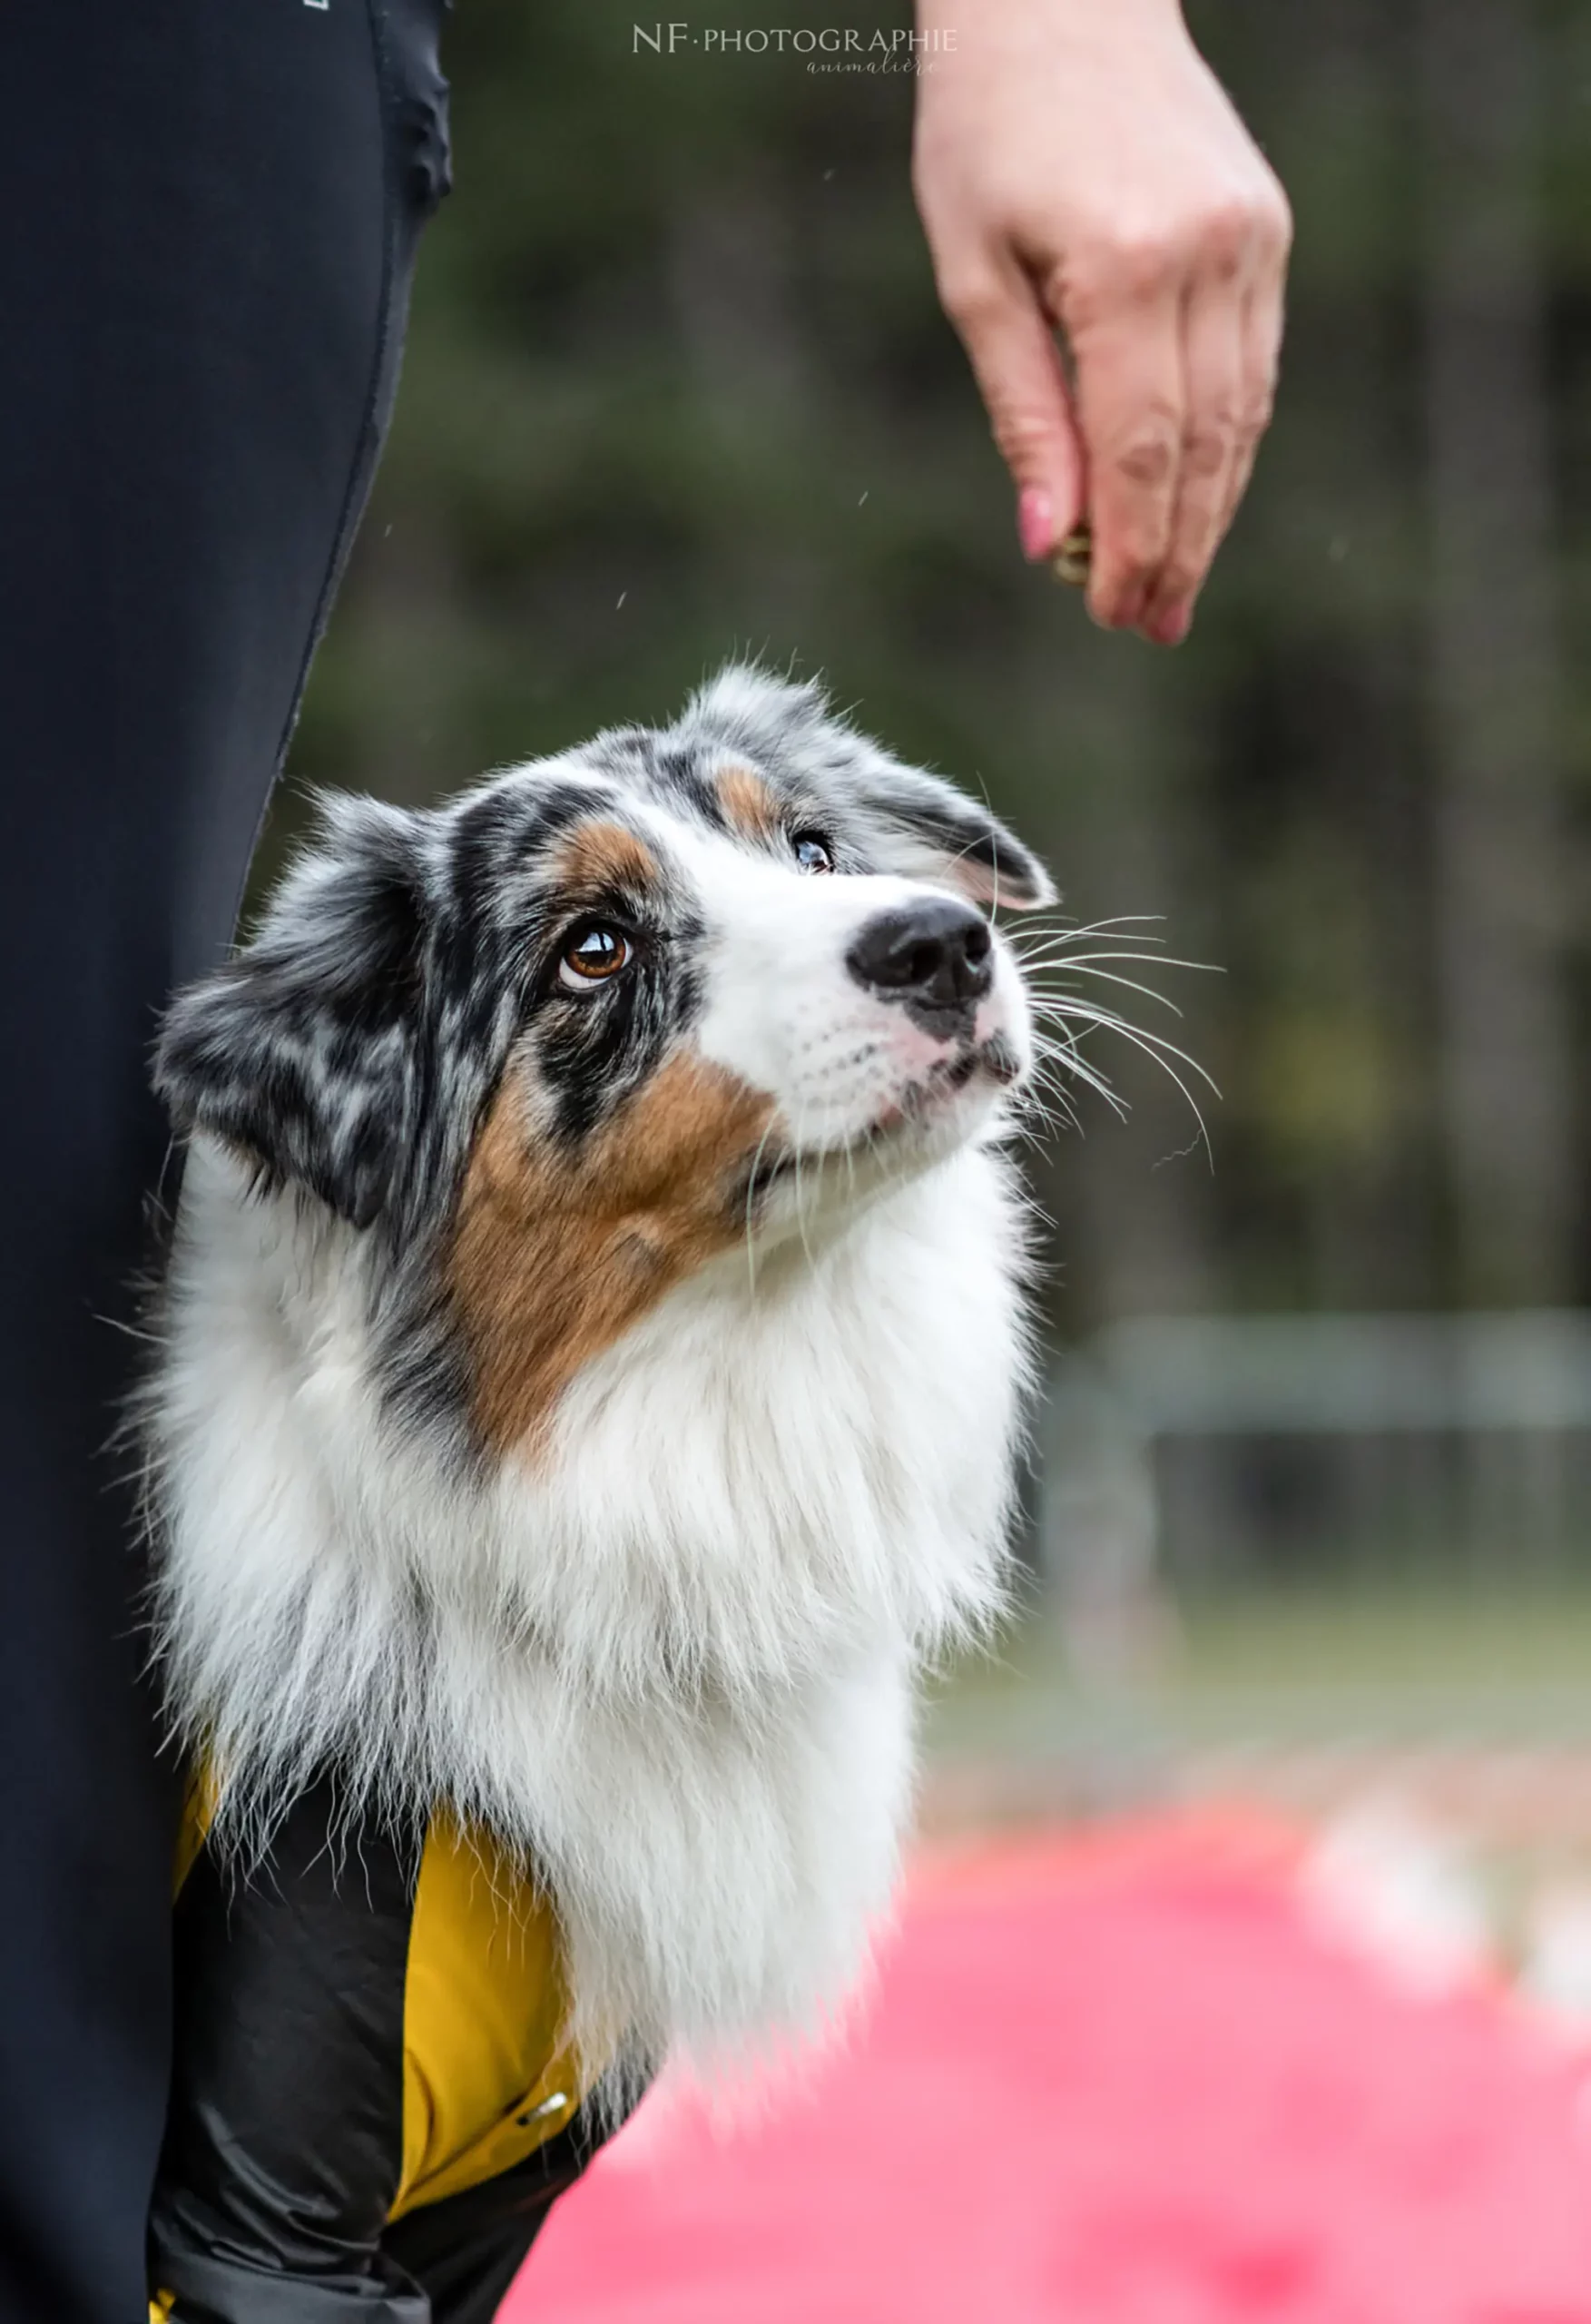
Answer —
811 852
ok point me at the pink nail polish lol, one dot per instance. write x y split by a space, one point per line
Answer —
1035 522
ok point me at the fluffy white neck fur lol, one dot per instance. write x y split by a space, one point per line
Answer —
674 1660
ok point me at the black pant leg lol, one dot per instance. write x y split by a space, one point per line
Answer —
207 213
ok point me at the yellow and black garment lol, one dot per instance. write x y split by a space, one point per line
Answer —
371 2112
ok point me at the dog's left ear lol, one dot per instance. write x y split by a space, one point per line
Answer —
305 1052
930 830
921 826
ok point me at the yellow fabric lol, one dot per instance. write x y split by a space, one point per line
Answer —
160 2307
485 2080
198 1814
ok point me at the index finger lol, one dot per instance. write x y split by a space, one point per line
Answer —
1129 401
1011 345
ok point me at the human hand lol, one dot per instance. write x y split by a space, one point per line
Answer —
1078 166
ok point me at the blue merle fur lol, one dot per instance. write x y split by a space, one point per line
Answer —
352 1047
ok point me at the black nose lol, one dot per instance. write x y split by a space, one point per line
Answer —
933 954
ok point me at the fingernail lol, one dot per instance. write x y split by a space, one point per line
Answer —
1035 522
1172 627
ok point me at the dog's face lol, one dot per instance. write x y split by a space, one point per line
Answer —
575 1035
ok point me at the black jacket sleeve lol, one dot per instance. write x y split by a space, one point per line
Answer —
284 2143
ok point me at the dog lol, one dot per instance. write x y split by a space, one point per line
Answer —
591 1360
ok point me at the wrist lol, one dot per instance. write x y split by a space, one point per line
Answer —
1091 23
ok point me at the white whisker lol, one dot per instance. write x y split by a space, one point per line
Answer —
1092 1012
750 1197
1073 1063
1129 984
1069 960
801 1208
1153 1046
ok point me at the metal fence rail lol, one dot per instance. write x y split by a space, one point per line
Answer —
1194 1450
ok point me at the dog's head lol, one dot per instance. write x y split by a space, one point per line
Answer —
604 1017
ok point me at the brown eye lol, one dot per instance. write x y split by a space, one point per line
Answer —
592 954
811 852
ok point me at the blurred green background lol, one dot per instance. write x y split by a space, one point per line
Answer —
678 388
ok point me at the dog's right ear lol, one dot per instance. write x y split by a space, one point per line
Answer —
304 1052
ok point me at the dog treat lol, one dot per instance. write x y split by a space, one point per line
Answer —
1073 559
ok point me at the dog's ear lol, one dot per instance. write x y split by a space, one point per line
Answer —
304 1051
921 825
930 830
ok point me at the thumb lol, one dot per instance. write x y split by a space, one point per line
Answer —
1017 366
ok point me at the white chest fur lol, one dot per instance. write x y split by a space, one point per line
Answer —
675 1657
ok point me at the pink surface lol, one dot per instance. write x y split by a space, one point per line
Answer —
1118 2085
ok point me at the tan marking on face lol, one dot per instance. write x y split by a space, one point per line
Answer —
602 855
748 805
555 1255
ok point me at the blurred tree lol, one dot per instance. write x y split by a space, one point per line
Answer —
1495 679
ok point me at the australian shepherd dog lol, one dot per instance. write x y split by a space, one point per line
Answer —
594 1348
